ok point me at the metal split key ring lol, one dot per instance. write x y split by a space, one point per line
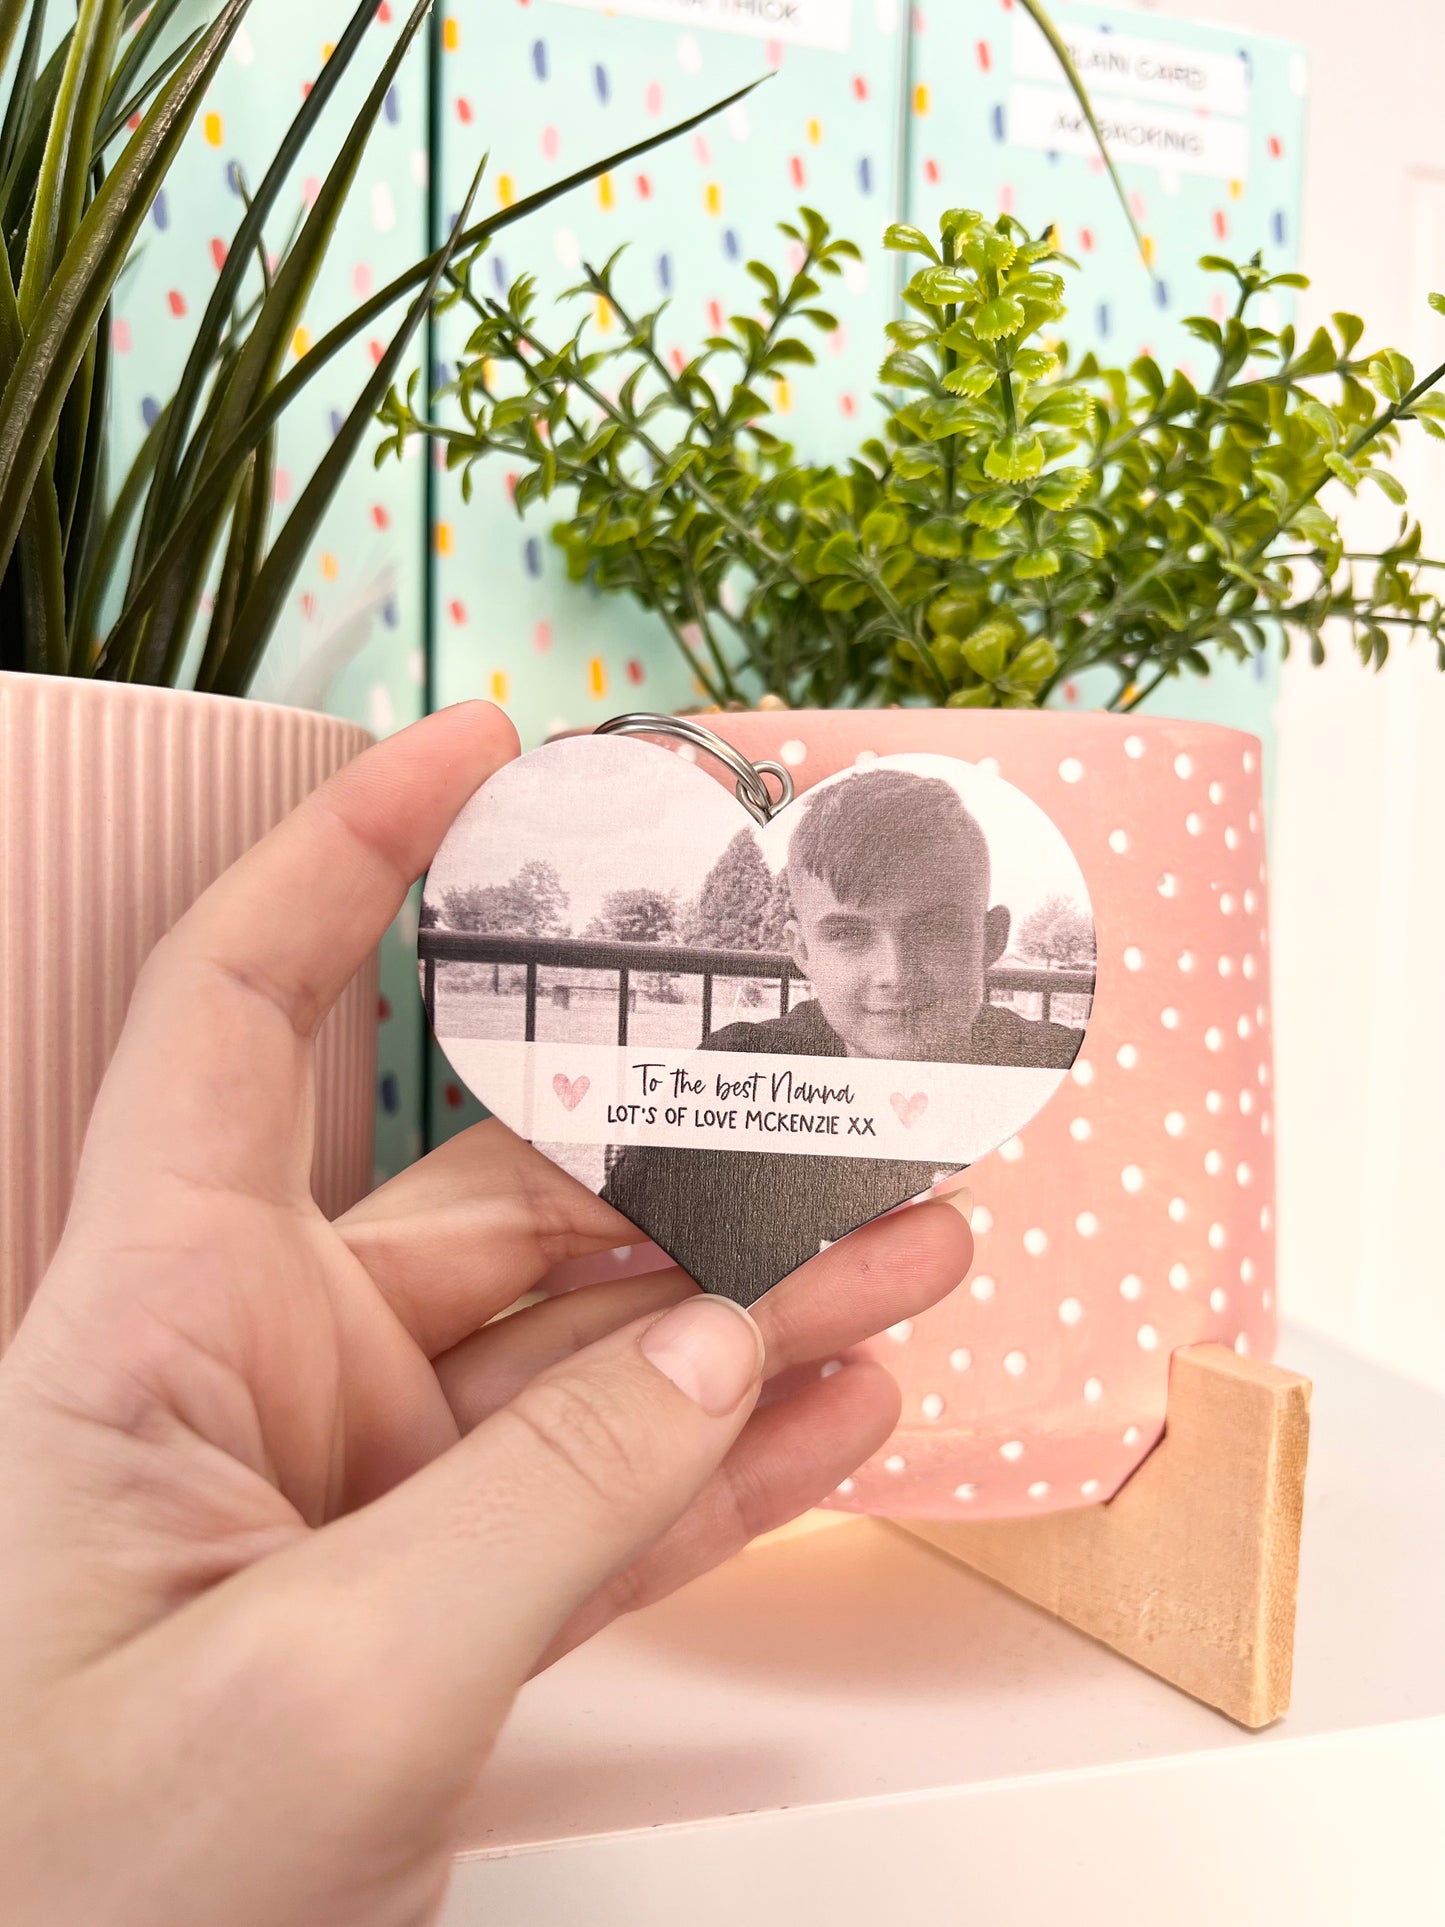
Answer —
752 790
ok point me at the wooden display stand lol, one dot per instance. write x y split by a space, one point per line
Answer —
1191 1568
855 1729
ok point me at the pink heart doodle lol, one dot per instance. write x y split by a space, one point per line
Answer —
571 1090
909 1109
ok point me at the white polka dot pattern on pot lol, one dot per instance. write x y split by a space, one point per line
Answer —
1132 1215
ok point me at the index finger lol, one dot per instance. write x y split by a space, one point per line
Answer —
210 1080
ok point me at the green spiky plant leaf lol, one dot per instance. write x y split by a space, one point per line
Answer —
75 189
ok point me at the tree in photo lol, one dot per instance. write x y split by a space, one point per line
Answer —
732 906
639 915
531 904
741 906
547 902
1058 933
778 915
642 915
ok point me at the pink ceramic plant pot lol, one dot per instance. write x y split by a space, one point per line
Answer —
118 806
1134 1214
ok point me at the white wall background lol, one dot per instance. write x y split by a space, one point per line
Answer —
1358 863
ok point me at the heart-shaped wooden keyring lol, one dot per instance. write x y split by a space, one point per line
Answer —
751 1027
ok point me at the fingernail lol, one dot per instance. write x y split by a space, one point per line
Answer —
959 1196
710 1349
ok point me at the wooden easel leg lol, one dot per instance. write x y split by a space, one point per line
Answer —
1191 1568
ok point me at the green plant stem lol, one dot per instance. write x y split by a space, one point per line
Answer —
950 366
1221 367
753 360
1357 555
909 631
573 474
1382 422
603 290
1258 549
721 693
1141 695
704 497
1130 594
699 616
1375 618
1004 363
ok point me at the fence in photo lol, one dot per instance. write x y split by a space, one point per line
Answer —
629 962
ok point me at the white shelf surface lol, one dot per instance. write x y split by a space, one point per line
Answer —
850 1728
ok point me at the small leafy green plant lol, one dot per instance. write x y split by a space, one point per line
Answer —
1023 515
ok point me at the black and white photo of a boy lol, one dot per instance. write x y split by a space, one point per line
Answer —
892 926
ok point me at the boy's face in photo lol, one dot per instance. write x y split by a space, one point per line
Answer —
902 973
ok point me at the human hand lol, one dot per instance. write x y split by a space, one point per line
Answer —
285 1520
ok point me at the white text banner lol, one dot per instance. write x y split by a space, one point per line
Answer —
860 1107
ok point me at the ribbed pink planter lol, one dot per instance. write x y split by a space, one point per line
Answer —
1135 1213
118 806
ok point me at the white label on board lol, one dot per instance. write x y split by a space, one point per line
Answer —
1134 131
1138 70
800 23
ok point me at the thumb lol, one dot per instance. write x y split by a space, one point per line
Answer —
463 1575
